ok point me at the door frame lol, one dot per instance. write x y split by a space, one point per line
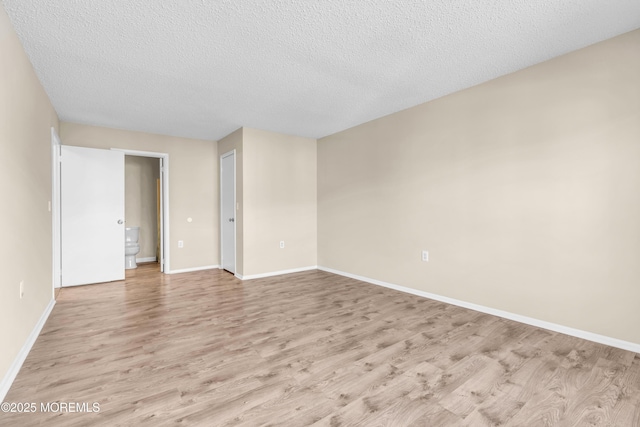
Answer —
165 265
55 209
235 210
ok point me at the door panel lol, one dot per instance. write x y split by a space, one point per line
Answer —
92 215
228 211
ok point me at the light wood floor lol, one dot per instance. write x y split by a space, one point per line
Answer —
309 348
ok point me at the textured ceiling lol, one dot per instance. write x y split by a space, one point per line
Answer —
203 68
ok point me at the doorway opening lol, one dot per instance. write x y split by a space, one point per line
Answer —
147 203
142 214
228 211
55 211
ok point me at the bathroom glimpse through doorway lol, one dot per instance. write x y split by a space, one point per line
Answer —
147 203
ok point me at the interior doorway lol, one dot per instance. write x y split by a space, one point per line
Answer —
55 211
228 211
142 204
147 203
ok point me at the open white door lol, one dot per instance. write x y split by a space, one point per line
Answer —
228 210
92 215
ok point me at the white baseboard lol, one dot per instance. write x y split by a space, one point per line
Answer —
276 273
589 336
11 374
148 259
189 270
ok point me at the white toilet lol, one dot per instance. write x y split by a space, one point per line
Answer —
131 246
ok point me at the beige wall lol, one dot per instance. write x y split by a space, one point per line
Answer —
26 118
140 205
234 141
280 203
525 190
193 186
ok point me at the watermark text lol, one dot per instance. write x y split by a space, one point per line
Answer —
56 407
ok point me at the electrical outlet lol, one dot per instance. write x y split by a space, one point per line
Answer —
21 289
281 244
425 256
181 243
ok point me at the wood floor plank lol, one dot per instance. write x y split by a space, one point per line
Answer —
311 348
